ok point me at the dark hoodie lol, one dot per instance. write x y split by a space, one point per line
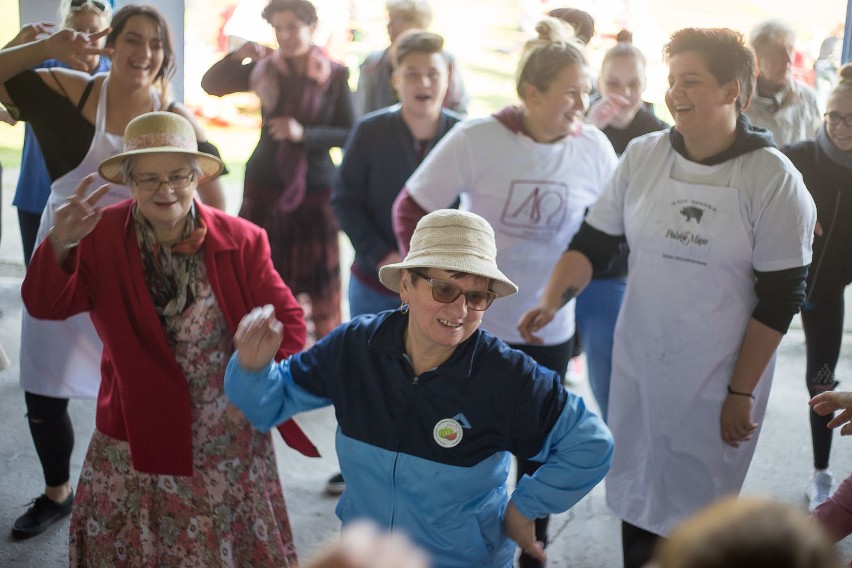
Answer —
780 293
827 172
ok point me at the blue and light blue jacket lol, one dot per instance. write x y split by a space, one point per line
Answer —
429 455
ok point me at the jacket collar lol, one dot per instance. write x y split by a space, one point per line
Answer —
217 239
388 337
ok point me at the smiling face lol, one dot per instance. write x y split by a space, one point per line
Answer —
703 109
421 82
840 134
294 36
139 51
433 326
165 208
558 111
624 76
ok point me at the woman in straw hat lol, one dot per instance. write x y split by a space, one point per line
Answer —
430 407
78 121
174 475
532 171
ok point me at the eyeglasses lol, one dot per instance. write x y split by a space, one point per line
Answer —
836 118
446 292
174 181
77 4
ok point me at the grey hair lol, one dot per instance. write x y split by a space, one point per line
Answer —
127 168
418 12
771 33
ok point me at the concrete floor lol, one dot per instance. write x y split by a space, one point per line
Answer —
586 537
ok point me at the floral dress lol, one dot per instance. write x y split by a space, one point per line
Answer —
231 512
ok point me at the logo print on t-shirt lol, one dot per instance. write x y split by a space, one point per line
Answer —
448 433
692 212
538 205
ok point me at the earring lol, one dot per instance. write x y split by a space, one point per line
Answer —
403 307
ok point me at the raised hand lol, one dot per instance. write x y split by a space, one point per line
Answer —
258 338
31 32
605 110
251 50
78 216
73 47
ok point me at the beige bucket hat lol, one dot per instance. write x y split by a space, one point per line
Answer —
453 240
158 133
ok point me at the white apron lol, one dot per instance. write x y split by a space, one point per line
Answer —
689 298
62 358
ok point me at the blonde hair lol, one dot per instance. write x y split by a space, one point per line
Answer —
65 12
844 80
544 57
747 533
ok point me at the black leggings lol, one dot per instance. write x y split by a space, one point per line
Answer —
553 357
823 325
28 224
637 545
53 436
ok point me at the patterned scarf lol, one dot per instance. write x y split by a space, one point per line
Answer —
170 270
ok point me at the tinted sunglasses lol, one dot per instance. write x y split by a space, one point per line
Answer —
77 4
835 118
446 292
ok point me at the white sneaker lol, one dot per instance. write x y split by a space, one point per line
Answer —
819 489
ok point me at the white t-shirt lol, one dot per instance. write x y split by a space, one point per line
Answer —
772 198
535 197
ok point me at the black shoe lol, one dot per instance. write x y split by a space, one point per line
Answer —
335 485
42 513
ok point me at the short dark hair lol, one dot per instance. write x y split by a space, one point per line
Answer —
416 41
725 54
302 9
119 22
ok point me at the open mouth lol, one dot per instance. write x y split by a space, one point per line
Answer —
447 323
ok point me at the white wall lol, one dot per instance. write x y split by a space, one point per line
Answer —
40 10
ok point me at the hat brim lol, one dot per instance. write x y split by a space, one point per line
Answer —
390 274
211 166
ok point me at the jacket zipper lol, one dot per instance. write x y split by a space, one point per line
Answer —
824 247
414 382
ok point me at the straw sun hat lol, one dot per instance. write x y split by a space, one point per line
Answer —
452 240
157 133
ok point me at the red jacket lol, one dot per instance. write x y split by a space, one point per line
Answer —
144 397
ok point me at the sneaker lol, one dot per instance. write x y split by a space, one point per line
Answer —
42 513
335 485
819 489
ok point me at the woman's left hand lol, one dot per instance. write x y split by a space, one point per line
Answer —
258 338
285 128
736 421
522 531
